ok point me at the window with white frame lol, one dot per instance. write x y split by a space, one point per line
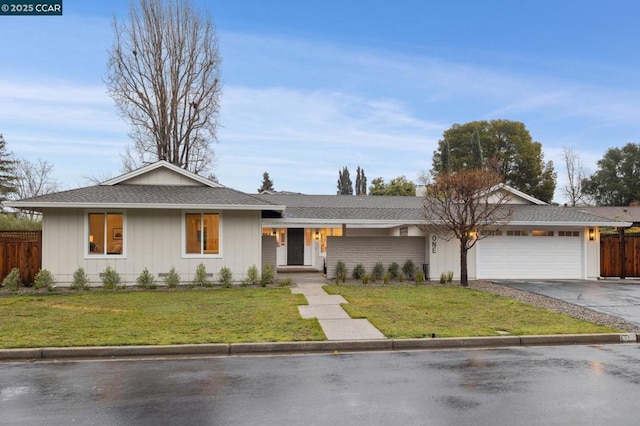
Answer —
202 233
106 233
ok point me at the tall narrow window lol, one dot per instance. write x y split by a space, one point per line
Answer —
202 232
106 233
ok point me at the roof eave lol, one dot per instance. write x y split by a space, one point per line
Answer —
166 206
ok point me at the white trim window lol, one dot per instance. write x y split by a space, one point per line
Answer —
105 234
202 234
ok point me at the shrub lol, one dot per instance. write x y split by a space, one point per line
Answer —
341 271
172 279
110 278
358 271
386 278
401 278
253 277
378 271
268 276
12 281
409 269
446 277
146 280
365 279
43 280
394 270
419 277
225 277
80 280
285 283
200 279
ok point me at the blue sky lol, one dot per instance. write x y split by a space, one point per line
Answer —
310 87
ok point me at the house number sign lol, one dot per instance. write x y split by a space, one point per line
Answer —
433 244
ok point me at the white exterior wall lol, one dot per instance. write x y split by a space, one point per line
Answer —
592 257
444 257
153 239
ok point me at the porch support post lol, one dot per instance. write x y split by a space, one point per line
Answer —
344 229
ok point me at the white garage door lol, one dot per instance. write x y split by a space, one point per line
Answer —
516 256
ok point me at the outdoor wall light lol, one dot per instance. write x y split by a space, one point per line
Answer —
90 238
317 236
592 234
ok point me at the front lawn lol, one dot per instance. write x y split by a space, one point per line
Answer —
418 311
154 318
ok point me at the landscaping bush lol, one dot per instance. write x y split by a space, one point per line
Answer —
253 277
287 282
446 277
358 271
172 279
225 277
378 271
409 269
80 280
394 270
200 279
341 271
146 280
43 280
365 279
12 281
110 278
386 278
419 277
268 276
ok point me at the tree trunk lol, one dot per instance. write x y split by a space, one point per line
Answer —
464 279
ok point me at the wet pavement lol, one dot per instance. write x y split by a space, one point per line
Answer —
527 386
614 297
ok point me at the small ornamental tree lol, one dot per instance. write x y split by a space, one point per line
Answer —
464 205
267 183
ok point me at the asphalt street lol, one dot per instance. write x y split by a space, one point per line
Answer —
586 385
614 297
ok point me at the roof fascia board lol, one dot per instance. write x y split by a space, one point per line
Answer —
27 205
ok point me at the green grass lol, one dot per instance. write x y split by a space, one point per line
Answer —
154 318
413 312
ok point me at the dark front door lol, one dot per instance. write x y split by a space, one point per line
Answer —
295 246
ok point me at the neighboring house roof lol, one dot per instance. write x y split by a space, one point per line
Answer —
396 210
624 213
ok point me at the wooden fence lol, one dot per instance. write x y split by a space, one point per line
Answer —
612 253
22 250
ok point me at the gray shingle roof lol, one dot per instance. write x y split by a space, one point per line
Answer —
336 208
146 194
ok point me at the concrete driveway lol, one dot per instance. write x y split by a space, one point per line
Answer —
614 297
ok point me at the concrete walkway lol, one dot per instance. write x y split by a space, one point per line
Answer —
335 322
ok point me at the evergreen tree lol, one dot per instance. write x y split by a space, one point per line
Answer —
267 183
477 161
345 186
7 172
361 182
445 157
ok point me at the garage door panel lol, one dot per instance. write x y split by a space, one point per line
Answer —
529 257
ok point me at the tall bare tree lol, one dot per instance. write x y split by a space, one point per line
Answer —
467 205
164 76
576 173
34 179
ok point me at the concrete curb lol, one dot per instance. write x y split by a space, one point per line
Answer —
223 349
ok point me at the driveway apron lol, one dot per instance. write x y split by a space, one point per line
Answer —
620 298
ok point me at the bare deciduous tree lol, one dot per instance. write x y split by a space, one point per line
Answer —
34 179
576 173
164 76
467 205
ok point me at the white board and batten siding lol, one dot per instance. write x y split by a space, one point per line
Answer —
531 257
153 240
162 176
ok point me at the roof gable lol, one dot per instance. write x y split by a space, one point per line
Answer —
515 196
161 173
